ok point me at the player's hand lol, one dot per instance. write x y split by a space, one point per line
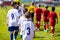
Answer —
7 24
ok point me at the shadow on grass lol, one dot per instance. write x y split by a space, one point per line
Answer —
40 37
57 35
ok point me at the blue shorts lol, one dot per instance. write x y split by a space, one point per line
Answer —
13 28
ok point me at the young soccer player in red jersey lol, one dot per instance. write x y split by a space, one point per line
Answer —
53 20
38 12
45 17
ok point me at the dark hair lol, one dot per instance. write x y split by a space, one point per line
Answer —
46 7
39 5
18 3
32 3
14 3
53 8
27 14
25 10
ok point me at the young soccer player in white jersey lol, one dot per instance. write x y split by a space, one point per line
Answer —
20 9
28 28
12 21
22 18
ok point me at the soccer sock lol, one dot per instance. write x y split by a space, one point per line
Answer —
11 36
38 25
52 31
21 36
44 27
15 35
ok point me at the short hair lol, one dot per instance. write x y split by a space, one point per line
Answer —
18 3
14 3
32 3
27 14
53 8
46 6
25 10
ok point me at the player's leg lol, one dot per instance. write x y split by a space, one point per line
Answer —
32 16
16 32
38 25
52 28
21 32
44 26
10 29
11 35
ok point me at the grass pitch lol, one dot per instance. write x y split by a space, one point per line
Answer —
39 35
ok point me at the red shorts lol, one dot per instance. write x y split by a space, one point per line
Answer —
46 20
38 18
52 23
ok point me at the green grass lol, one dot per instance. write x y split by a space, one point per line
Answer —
39 35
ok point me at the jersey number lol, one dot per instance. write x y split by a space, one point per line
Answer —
12 15
28 28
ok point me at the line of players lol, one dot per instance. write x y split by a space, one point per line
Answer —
21 18
48 17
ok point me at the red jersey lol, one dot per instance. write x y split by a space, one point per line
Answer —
38 12
46 13
52 16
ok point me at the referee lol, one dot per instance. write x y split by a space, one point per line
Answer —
31 10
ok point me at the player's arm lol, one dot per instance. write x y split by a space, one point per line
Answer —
7 21
56 18
7 18
35 13
29 9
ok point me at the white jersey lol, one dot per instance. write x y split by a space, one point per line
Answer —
21 20
20 10
12 17
28 30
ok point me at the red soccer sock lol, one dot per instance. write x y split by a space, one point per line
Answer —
38 25
52 31
44 27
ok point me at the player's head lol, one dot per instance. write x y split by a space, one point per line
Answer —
25 10
46 6
18 3
23 5
53 8
27 15
15 5
38 5
32 3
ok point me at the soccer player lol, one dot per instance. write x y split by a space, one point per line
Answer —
45 17
22 18
37 14
31 10
12 21
53 20
19 10
28 28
